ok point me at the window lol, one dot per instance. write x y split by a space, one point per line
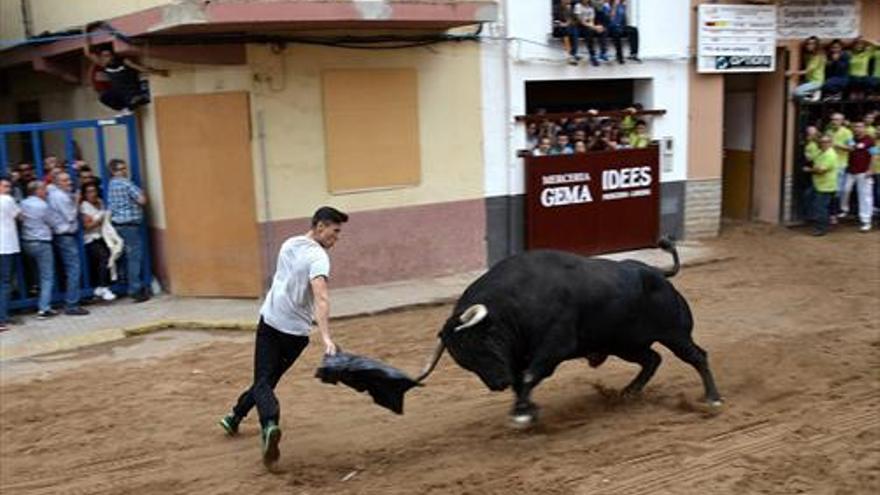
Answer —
371 128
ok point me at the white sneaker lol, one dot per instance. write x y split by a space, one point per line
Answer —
865 227
99 291
842 214
108 295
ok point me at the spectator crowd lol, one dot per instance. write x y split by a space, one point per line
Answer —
840 156
590 132
837 71
45 222
595 21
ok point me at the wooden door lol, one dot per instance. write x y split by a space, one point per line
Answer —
211 243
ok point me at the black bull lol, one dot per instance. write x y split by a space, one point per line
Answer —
514 325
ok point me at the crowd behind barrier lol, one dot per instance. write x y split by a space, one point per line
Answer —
49 224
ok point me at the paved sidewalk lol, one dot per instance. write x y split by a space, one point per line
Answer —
116 320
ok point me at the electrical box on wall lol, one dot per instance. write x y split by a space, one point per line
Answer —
666 153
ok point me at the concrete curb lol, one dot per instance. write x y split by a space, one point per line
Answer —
113 334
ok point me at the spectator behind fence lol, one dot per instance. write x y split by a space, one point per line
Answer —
857 173
36 242
585 26
26 174
860 80
126 202
836 72
126 91
86 177
824 172
841 137
563 146
9 247
618 27
545 147
814 70
640 138
93 217
63 203
580 147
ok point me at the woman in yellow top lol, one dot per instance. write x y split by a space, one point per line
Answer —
860 80
814 70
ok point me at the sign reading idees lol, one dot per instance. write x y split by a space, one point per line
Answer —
736 38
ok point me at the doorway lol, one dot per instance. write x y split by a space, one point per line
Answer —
739 146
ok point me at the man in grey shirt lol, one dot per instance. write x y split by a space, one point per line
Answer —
298 297
36 242
64 204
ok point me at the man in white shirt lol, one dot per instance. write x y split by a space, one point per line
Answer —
298 297
9 247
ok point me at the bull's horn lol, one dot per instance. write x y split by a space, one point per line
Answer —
430 365
472 316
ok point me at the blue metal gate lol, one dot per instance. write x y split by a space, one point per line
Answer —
20 297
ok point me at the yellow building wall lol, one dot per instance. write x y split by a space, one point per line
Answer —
58 15
287 99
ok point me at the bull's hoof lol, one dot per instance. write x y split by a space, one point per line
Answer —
714 402
523 421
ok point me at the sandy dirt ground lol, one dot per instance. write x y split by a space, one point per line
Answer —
790 323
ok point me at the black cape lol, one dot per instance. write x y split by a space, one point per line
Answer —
384 383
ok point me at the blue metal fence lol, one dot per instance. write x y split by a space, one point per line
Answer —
20 297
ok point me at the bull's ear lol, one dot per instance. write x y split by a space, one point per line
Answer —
472 316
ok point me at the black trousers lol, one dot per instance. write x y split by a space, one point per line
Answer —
632 36
98 254
274 353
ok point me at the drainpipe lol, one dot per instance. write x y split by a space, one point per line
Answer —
508 138
26 20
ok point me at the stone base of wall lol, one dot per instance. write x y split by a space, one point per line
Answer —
702 209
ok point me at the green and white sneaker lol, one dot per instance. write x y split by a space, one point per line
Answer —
229 423
271 436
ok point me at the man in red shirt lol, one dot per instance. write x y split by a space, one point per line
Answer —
857 173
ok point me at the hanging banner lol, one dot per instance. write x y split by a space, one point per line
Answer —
593 203
736 38
827 19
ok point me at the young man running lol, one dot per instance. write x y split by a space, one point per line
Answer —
297 296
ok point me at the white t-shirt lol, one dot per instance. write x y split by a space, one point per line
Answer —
93 233
8 229
289 305
585 13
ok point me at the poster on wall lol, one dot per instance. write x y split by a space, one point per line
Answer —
736 38
798 19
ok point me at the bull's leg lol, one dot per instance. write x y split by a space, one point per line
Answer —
691 353
524 411
649 360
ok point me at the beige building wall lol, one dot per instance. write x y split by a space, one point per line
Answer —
58 15
11 24
287 99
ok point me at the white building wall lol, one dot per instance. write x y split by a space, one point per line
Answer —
523 32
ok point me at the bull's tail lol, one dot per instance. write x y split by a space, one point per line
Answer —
668 244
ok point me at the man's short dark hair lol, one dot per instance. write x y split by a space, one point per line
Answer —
5 178
641 122
114 164
327 214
